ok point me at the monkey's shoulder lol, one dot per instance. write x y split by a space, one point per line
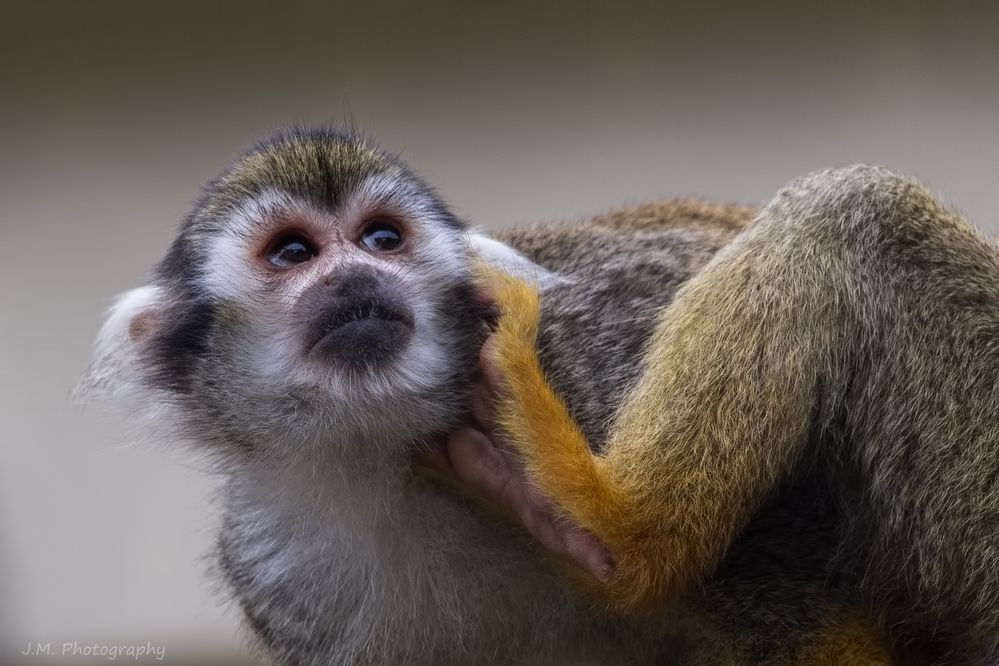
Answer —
676 234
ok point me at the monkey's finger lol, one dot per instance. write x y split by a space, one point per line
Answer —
434 457
493 475
483 295
479 466
491 389
483 409
539 515
586 551
489 465
565 538
492 377
496 476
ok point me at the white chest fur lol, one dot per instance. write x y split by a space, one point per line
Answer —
342 572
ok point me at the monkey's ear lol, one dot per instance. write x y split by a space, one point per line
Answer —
503 256
115 371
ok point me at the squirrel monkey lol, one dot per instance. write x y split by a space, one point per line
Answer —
849 335
793 415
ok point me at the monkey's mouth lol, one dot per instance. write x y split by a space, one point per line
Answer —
361 332
344 316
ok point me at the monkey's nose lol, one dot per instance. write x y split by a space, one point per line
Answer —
356 318
354 282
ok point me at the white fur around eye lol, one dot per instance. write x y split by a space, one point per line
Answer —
396 196
116 377
229 273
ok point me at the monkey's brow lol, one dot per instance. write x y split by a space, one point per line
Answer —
390 190
270 208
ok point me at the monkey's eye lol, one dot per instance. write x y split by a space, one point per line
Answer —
381 236
291 250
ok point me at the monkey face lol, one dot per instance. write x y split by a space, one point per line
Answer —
319 294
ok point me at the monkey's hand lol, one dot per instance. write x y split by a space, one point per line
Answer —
569 504
480 458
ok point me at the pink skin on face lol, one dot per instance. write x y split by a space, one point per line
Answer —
480 460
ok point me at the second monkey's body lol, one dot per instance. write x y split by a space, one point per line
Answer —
838 355
774 599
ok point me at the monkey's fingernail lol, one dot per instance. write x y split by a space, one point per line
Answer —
605 572
486 298
493 316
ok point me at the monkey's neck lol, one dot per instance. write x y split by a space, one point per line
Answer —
379 504
393 564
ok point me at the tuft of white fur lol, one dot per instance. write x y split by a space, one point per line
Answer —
115 376
503 256
113 373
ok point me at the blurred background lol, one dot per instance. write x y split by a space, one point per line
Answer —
112 114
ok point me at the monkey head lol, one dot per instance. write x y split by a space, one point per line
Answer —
319 297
